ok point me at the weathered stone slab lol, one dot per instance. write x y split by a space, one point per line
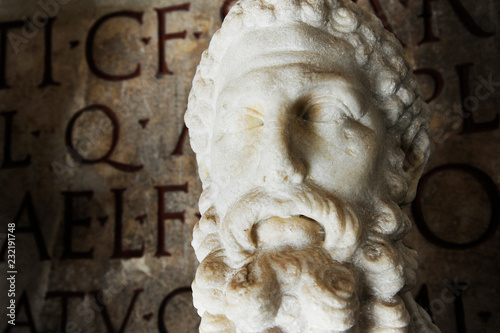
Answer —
50 192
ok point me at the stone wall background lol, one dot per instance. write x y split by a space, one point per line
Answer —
102 235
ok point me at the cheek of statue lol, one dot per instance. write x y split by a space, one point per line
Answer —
342 156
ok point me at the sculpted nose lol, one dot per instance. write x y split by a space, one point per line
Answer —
279 161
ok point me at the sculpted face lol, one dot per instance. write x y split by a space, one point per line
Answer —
308 137
295 130
295 116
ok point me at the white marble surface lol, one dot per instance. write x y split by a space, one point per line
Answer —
309 133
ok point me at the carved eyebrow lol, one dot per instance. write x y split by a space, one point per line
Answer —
351 107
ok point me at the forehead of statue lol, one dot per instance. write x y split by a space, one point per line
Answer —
297 44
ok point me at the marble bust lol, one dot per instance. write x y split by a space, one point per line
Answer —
310 134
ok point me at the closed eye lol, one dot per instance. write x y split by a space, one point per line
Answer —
321 114
243 119
325 109
321 110
253 118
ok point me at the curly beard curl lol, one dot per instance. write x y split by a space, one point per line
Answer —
338 277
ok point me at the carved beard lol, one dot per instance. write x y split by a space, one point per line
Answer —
296 260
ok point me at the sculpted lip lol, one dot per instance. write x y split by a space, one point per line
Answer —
296 231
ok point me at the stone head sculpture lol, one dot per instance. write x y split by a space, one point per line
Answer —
309 134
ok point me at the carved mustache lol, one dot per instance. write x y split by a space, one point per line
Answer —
338 219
